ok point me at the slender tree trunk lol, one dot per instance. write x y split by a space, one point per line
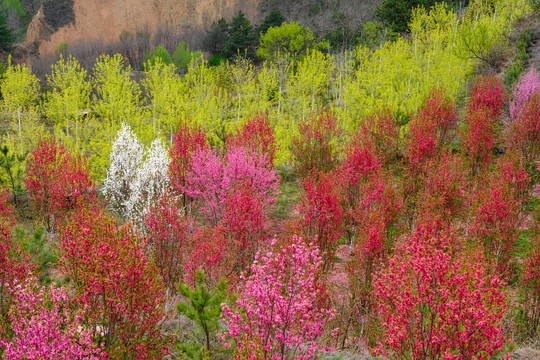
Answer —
20 132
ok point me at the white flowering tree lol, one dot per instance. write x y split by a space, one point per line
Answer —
136 177
126 156
150 182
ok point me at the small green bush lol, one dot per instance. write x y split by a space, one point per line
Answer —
215 60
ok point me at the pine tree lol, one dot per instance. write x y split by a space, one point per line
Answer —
242 38
217 36
6 36
204 305
274 19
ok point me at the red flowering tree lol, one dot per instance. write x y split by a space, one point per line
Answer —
529 286
433 306
167 227
372 205
383 130
7 215
315 147
116 283
488 94
56 179
187 141
496 211
255 135
46 325
432 129
210 253
15 265
280 314
444 194
321 214
245 223
483 111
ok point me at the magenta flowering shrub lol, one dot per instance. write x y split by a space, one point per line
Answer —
282 306
524 133
528 85
46 326
213 175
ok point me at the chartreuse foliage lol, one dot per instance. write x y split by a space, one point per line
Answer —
442 50
70 95
20 88
118 101
290 38
165 91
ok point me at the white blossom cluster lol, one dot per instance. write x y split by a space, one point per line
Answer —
136 177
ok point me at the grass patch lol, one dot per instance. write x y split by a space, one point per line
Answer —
40 249
288 197
289 192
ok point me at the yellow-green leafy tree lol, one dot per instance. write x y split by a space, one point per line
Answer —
70 96
20 89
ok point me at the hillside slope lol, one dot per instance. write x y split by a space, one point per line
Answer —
106 19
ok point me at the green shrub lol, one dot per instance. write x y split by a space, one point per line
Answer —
61 48
182 56
215 60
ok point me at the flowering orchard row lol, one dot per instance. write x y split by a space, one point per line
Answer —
440 233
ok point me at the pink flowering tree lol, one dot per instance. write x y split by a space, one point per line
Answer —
213 175
524 132
528 85
47 325
435 306
280 308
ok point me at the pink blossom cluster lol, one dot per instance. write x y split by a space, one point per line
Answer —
214 174
47 325
280 312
